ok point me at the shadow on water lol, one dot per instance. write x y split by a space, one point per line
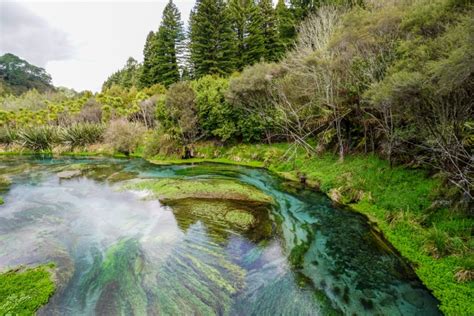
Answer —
122 252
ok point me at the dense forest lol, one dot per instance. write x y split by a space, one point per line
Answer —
387 79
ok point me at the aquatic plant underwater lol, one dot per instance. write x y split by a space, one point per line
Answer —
130 237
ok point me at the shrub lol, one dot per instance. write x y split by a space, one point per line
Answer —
82 134
91 112
38 138
216 116
182 109
162 143
8 136
124 136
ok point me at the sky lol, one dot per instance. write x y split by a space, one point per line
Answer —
80 43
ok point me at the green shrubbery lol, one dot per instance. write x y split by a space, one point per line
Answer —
80 135
38 138
124 136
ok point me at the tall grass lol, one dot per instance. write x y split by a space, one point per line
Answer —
8 136
38 138
82 134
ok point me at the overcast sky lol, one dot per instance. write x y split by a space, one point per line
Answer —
80 43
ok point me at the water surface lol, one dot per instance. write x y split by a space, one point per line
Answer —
120 253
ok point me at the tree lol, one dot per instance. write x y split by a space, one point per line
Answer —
302 8
286 24
148 56
180 103
169 44
19 76
212 40
269 28
254 41
126 77
246 24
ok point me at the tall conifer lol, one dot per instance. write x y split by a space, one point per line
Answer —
246 23
286 24
149 52
212 43
269 27
170 39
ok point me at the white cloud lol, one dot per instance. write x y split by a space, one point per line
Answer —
24 33
103 33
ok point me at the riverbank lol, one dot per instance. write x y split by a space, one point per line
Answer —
403 202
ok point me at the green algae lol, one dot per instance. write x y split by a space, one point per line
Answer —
118 275
172 189
24 290
221 215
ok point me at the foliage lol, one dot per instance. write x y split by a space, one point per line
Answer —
18 76
169 47
126 77
124 136
216 116
82 134
245 17
286 24
273 45
24 290
212 40
38 138
182 111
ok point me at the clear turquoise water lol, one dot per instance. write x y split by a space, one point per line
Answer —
120 254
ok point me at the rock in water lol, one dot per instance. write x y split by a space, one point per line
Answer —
68 174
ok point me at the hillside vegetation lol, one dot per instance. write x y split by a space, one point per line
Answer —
18 76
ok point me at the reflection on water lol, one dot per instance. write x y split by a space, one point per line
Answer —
118 253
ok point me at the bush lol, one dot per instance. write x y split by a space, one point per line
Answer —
124 136
162 143
38 138
82 134
216 116
252 98
8 136
91 112
182 109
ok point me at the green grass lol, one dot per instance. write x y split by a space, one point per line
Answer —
23 291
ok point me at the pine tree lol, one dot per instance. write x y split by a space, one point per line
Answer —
246 24
254 39
238 17
212 40
269 28
301 8
169 43
286 24
149 53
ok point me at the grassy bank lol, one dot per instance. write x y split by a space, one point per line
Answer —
24 290
407 204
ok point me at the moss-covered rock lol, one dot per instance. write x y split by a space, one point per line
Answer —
218 214
24 290
173 189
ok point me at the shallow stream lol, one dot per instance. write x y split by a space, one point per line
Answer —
122 251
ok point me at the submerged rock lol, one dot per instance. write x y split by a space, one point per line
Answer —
173 189
69 174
